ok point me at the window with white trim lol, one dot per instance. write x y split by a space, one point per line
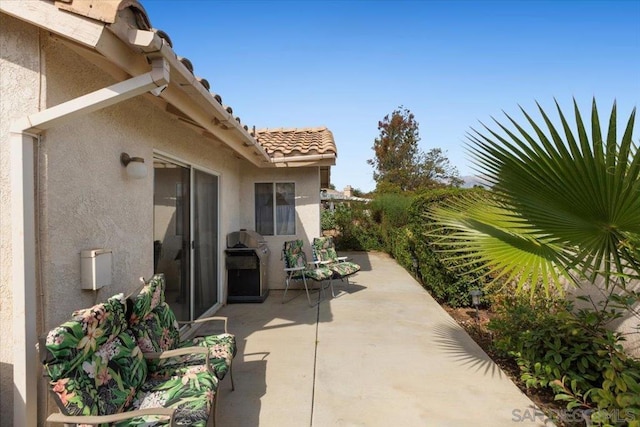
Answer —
275 208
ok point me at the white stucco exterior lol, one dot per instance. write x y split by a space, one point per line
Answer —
84 198
307 212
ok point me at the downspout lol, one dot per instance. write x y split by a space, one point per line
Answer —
23 134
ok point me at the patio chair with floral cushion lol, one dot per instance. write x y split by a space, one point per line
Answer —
98 375
324 251
296 267
156 329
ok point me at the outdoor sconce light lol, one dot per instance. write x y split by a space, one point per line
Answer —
414 264
136 168
475 300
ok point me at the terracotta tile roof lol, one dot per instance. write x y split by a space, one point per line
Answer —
289 142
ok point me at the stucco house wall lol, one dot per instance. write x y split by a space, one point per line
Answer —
87 200
628 324
307 182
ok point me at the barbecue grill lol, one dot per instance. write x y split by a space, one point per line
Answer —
247 255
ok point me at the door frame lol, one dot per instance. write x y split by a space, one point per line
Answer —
162 155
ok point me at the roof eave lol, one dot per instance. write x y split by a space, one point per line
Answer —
188 95
327 159
130 51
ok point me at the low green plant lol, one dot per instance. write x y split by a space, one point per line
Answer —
356 230
571 352
327 220
445 277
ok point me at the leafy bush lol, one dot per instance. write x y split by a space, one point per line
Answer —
448 280
395 223
357 231
391 209
327 220
570 352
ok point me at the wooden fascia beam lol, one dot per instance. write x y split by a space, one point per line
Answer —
46 15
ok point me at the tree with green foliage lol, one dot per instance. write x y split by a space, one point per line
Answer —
399 163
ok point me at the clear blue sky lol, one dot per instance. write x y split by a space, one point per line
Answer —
346 64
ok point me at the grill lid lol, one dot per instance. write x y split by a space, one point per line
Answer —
245 239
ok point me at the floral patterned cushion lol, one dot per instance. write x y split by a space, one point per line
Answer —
324 250
93 362
151 296
294 257
319 273
344 268
223 349
96 368
158 330
192 392
162 327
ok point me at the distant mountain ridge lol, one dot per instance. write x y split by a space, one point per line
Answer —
472 180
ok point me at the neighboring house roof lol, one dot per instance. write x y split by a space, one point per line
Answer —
94 26
328 194
300 147
290 142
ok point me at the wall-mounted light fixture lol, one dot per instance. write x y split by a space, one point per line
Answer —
136 168
475 300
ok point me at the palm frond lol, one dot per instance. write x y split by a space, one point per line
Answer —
568 199
477 231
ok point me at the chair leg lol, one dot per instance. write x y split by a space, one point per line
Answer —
306 288
233 386
286 288
321 295
214 411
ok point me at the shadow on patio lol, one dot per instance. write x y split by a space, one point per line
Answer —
381 353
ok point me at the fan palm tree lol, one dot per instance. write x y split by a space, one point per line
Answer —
565 203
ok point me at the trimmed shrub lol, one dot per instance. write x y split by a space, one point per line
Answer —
391 212
396 224
356 230
327 220
570 352
446 279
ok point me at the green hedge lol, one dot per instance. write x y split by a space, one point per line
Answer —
396 224
447 280
357 230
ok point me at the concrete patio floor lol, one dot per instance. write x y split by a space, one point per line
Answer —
382 353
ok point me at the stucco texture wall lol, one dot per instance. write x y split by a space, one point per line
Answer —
19 96
627 324
85 198
307 181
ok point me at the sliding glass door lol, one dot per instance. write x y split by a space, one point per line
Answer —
186 236
205 238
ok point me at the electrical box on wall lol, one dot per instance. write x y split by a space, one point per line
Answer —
95 268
